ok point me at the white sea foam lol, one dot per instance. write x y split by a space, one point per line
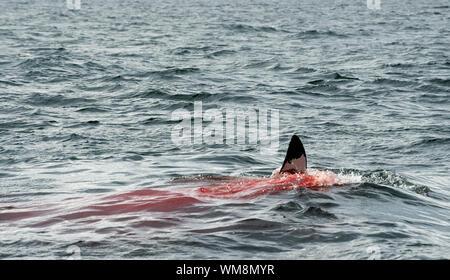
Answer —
329 178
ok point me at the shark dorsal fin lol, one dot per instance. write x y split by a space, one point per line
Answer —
295 160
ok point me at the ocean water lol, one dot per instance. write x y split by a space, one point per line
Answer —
88 163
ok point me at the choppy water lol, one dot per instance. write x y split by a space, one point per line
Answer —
85 115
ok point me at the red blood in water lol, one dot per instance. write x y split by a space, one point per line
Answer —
157 200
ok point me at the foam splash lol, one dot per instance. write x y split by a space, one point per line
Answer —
326 178
253 187
389 178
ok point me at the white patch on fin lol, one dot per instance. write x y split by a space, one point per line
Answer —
297 165
295 160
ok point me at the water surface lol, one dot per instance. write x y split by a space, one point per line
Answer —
86 98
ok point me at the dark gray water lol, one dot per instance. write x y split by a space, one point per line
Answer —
85 112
